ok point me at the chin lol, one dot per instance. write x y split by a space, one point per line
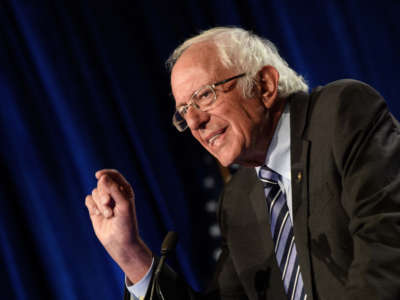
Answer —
226 155
226 160
224 163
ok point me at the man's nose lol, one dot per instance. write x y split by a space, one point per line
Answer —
196 118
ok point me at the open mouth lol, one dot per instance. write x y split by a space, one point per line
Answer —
215 136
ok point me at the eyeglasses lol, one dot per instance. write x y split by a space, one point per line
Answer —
201 99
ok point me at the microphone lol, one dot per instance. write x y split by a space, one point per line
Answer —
167 246
169 242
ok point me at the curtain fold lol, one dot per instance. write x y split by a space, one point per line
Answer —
83 87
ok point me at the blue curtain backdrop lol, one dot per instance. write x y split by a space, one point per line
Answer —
83 87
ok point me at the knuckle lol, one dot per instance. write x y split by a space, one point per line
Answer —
104 180
105 199
116 188
89 202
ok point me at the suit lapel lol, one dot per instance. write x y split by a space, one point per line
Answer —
257 199
299 106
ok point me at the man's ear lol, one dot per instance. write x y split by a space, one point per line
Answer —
268 80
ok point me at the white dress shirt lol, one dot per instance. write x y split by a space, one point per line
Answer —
278 155
139 289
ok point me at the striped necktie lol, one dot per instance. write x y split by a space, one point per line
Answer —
282 234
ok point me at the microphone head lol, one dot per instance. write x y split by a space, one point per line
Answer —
169 242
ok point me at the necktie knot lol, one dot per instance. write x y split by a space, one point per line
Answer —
268 176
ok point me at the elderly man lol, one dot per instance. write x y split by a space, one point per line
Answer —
314 213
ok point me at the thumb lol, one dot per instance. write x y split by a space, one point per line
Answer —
122 197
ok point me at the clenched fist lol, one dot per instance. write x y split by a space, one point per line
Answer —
112 211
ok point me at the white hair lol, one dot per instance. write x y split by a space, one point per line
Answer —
247 53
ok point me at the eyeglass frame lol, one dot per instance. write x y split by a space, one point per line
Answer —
194 104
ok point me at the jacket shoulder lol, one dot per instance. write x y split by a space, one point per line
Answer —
348 90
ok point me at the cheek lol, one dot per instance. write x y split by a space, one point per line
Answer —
239 135
242 127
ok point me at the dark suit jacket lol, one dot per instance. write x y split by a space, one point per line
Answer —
345 158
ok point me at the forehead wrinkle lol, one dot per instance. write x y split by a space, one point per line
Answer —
186 86
198 66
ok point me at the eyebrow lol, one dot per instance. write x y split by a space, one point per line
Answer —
213 83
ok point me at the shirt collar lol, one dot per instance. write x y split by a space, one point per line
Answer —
278 154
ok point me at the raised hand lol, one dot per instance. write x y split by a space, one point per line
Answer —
112 211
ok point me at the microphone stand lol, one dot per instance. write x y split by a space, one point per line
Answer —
167 246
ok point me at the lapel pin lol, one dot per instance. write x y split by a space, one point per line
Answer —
299 176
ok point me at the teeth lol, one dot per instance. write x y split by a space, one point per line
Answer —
211 141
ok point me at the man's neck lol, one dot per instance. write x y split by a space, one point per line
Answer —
275 114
